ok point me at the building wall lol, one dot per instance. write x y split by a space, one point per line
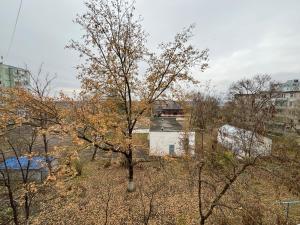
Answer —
160 142
287 105
4 76
239 142
290 85
12 76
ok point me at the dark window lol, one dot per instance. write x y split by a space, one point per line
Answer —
172 149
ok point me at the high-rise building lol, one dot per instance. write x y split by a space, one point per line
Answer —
11 76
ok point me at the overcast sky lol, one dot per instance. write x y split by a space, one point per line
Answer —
245 37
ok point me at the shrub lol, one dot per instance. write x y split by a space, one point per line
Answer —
78 166
107 164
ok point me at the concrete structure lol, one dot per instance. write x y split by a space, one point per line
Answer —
242 141
287 104
11 76
167 137
290 86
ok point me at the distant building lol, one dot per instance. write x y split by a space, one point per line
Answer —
290 86
11 76
166 131
286 99
287 104
167 108
242 141
168 137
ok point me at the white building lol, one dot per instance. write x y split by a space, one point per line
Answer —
242 141
167 137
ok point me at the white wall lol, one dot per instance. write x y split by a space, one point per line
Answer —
160 141
237 143
141 131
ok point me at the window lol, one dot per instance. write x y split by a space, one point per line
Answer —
171 149
292 95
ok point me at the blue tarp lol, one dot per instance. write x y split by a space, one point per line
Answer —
35 163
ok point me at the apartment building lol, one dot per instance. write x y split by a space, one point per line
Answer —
11 76
287 104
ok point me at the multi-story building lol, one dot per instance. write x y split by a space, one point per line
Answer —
287 104
167 108
11 76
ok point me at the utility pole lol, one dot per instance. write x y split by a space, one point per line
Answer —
287 205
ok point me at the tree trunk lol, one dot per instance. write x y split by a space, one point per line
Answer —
13 206
8 185
202 218
202 221
27 207
46 149
94 153
131 185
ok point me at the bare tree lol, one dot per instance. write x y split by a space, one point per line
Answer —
114 48
26 115
6 178
204 116
24 146
42 110
205 111
34 107
147 199
218 169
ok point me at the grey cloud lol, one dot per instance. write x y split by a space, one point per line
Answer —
244 37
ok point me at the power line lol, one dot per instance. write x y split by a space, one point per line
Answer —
14 30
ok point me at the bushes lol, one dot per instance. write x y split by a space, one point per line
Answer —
5 214
254 217
78 166
107 164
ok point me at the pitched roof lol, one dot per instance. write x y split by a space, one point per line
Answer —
163 124
238 132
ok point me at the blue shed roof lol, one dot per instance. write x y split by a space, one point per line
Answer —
36 162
